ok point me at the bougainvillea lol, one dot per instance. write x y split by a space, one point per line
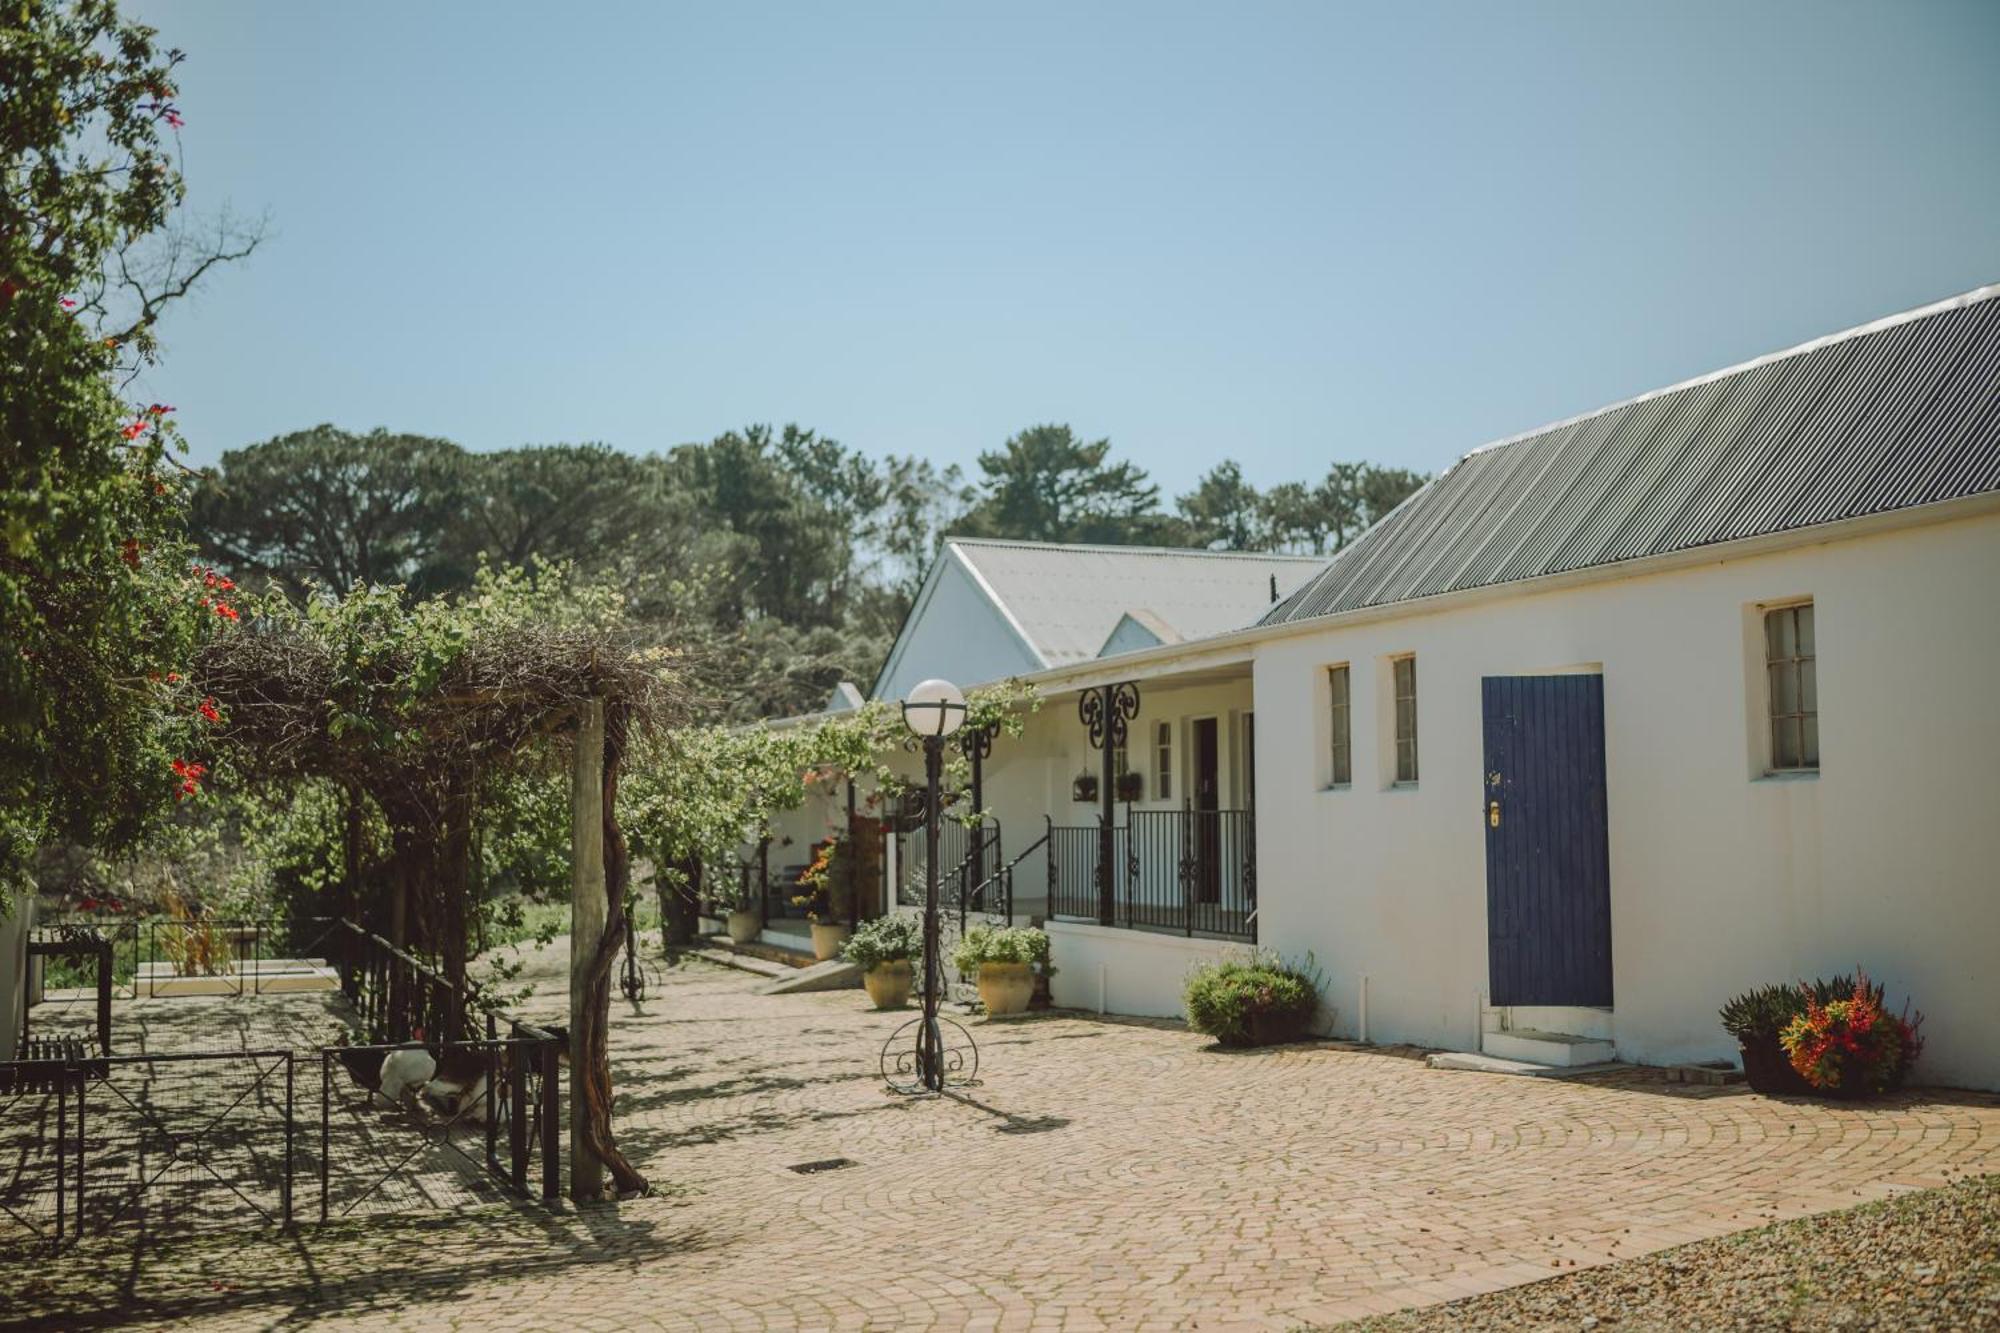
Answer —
1852 1044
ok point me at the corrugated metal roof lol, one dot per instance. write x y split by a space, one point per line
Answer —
1902 412
1066 600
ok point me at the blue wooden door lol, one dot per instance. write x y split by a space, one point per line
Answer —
1548 864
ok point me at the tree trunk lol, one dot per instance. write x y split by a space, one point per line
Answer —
678 904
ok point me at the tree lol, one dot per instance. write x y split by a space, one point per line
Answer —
1224 511
328 507
580 504
97 605
1047 485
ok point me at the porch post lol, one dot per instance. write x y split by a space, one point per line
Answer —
1107 837
853 863
1106 711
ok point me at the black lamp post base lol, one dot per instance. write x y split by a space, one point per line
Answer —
928 1055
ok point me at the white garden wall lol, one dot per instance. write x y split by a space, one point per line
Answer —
1721 878
1126 971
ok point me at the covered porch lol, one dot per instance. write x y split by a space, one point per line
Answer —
1127 802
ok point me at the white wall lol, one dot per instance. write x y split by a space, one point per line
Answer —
1720 880
1126 971
956 633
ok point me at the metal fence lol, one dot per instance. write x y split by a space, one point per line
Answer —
90 1144
167 956
1192 872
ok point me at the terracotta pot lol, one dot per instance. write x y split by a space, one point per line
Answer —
1005 988
1767 1070
888 984
827 940
744 926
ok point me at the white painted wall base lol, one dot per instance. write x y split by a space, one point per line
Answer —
1134 972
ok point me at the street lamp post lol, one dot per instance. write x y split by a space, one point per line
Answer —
934 710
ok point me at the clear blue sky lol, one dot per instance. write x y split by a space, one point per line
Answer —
1280 232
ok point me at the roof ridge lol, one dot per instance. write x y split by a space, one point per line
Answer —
1958 302
1112 548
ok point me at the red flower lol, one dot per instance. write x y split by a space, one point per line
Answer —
208 709
133 431
190 776
174 120
226 611
88 905
129 552
69 303
160 409
173 676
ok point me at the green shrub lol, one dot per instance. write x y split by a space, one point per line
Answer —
1223 999
886 939
1000 944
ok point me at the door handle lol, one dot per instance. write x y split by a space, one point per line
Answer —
1493 814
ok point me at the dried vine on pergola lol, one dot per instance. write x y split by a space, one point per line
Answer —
296 709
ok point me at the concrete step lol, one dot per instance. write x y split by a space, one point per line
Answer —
1561 1049
1475 1063
830 975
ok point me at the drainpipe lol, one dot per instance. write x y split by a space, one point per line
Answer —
1364 1008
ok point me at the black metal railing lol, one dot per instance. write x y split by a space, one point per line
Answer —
969 856
505 1122
160 1142
198 955
1193 872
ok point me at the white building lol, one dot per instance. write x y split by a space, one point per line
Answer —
1612 720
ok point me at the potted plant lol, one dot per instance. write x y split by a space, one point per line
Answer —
1084 789
817 879
1756 1018
1131 786
887 950
1004 960
1258 1001
742 920
1849 1044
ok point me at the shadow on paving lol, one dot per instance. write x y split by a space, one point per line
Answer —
351 1268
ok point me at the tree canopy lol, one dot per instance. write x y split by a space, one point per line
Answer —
99 599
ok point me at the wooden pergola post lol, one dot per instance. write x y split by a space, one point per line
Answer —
588 906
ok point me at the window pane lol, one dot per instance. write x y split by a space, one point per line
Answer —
1788 631
1808 687
1406 761
1784 688
1809 749
1771 649
1784 743
1805 614
1406 717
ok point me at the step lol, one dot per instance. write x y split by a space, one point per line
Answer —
1474 1063
1562 1049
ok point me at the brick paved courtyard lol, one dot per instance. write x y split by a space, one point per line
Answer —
1124 1176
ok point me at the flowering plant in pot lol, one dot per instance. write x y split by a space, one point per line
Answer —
1756 1018
1851 1045
887 950
1004 960
818 879
1259 1001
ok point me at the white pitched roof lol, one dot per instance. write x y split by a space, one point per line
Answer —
1065 600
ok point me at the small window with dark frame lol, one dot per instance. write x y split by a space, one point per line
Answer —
1163 754
1406 719
1338 687
1789 667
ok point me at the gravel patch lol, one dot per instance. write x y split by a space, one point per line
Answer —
1925 1260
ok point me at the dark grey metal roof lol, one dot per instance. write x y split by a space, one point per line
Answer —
1895 414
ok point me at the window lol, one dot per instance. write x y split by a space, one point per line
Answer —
1342 771
1794 688
1163 757
1405 669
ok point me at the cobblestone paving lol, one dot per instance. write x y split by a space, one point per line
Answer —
1113 1175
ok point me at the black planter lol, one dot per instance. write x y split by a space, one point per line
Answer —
1768 1071
1276 1028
